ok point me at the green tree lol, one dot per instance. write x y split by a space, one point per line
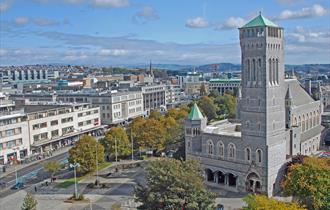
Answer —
29 202
154 114
214 93
52 167
152 135
257 202
226 105
310 182
117 135
174 184
207 106
85 151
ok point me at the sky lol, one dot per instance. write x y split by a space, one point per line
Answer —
126 32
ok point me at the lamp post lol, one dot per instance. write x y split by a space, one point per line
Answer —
97 165
74 166
116 149
132 145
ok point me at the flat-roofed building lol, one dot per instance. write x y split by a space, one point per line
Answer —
51 126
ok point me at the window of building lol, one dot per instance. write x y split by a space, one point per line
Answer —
232 151
54 122
248 154
259 156
221 149
54 133
210 147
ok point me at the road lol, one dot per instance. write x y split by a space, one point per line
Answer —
32 174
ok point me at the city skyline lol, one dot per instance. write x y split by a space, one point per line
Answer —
117 32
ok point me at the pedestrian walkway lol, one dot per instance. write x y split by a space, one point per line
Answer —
11 169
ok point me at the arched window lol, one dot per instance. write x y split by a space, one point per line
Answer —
314 119
259 70
295 121
299 121
231 151
221 149
274 71
248 154
310 120
248 70
307 120
259 156
210 147
276 74
270 70
254 70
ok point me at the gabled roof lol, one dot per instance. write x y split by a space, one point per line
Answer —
195 113
298 94
259 21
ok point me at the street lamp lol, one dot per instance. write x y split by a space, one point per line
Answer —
74 166
116 149
97 165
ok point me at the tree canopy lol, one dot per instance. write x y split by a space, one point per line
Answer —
256 202
29 202
310 181
52 167
207 106
85 151
174 184
116 135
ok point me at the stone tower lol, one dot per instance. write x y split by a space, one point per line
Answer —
262 103
194 126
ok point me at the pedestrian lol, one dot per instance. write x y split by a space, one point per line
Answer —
35 189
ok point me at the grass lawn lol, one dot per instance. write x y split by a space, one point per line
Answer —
68 182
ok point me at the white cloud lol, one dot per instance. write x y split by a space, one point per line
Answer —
21 21
147 13
113 52
314 11
197 22
4 5
45 22
231 23
111 3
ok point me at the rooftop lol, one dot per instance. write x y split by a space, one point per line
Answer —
195 113
259 21
218 80
224 127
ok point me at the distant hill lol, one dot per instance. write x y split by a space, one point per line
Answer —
324 68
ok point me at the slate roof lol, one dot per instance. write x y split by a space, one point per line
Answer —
298 94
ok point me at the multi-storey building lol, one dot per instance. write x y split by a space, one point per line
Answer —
222 85
278 120
39 127
115 107
154 97
56 125
174 95
24 75
14 143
